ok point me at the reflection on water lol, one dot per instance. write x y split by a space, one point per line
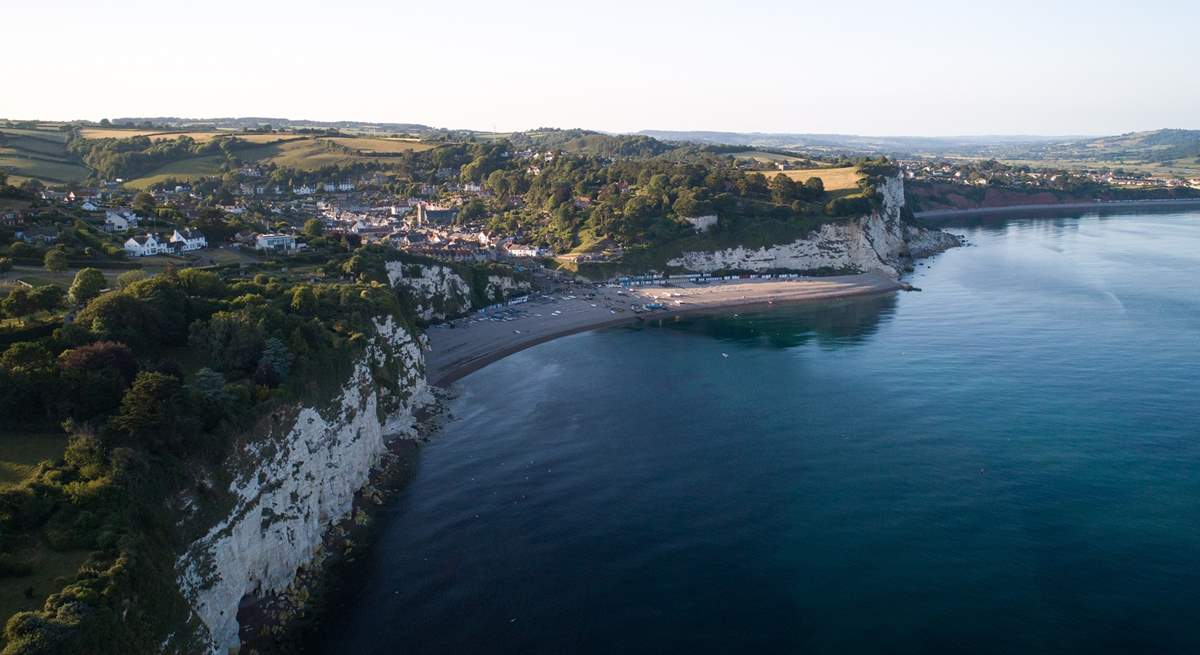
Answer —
842 322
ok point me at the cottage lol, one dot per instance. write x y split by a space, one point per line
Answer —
188 240
515 250
120 220
146 245
38 234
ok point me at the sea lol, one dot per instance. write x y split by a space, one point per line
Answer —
1006 461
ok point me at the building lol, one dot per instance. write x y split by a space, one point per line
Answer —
304 190
146 245
526 251
430 215
120 220
275 242
188 240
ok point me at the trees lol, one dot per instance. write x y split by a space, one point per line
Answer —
144 203
21 249
94 377
783 189
88 284
129 277
274 364
151 412
314 228
56 260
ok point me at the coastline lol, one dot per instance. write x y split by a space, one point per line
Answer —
456 352
943 214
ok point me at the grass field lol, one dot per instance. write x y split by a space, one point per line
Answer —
1185 167
21 452
38 154
768 157
835 179
160 135
381 144
186 170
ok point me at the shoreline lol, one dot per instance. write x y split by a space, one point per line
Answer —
457 352
940 214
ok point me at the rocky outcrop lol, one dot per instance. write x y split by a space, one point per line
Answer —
299 478
437 291
502 287
881 241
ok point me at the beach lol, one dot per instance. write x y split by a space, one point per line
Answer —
464 345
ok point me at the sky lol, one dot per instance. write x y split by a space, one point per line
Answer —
866 67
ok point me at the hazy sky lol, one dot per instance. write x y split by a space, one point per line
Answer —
864 67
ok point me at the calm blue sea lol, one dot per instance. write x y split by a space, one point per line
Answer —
1008 461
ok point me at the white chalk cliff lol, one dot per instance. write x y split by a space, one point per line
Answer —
880 241
299 479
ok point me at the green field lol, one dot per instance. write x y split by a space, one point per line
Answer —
38 154
186 170
21 452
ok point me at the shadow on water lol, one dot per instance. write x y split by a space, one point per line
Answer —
843 322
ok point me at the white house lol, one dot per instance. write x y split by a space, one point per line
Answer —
515 250
280 242
304 190
119 220
146 245
89 206
345 186
188 240
329 187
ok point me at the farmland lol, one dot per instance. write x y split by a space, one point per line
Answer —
38 153
186 170
382 145
835 179
159 135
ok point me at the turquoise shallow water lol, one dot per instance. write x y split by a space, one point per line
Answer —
1008 461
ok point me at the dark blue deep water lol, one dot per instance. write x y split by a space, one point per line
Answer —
1008 461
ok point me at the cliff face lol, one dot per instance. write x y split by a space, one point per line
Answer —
881 241
298 479
438 292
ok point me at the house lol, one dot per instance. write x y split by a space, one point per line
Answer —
702 223
329 187
119 220
12 218
146 245
304 190
38 234
188 240
515 250
275 241
345 186
89 206
81 196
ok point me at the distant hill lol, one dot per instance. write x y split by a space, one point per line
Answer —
250 122
857 144
1157 146
592 143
